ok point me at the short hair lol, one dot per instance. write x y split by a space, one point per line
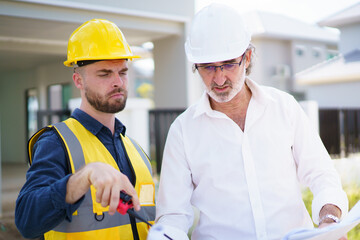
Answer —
252 48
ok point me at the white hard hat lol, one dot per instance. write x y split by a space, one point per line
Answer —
218 33
165 232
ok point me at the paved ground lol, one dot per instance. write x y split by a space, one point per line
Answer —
13 177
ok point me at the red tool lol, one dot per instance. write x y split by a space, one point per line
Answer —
126 206
125 203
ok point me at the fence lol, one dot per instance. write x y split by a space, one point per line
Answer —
160 121
340 131
46 117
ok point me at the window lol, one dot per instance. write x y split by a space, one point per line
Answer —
316 52
32 106
300 50
58 97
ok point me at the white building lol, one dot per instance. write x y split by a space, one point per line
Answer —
336 83
285 46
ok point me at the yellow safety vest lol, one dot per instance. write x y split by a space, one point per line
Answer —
91 220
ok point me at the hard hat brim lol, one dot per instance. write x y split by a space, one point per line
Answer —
71 63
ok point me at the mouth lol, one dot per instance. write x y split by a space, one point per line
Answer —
116 94
220 88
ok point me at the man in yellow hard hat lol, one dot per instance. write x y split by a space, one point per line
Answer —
80 166
241 152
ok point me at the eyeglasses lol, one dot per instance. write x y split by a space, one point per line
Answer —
210 69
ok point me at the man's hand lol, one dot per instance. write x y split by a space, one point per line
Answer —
333 210
107 181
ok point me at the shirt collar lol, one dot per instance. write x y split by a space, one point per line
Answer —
258 94
93 125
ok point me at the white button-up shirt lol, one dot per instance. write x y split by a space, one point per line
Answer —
246 184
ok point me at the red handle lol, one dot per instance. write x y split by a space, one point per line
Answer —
124 206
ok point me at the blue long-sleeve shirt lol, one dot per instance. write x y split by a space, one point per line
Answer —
41 204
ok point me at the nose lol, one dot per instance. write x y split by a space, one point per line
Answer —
118 81
219 76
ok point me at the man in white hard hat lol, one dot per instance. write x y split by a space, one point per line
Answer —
80 166
240 154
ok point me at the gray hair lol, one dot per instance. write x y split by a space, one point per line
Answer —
251 47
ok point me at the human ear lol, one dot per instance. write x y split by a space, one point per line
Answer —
78 80
248 57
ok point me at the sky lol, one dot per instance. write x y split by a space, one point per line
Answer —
309 11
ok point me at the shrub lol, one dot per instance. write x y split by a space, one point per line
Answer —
353 194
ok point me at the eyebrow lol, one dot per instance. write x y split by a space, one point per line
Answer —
110 71
124 69
230 61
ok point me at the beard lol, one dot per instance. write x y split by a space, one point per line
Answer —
101 102
223 97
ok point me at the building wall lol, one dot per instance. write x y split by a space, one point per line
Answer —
13 86
276 60
307 53
170 76
335 95
269 55
350 36
182 8
12 112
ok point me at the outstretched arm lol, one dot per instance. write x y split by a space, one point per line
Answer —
107 181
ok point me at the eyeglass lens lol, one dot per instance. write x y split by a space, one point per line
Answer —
212 69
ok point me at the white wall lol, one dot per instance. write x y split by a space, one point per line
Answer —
135 117
342 95
153 6
171 71
308 59
268 54
349 38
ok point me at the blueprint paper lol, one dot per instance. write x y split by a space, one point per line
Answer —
331 232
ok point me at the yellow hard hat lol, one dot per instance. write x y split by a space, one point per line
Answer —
97 39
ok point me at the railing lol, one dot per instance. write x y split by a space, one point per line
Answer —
340 131
160 121
46 117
